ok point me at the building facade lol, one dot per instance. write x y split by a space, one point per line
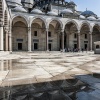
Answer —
42 25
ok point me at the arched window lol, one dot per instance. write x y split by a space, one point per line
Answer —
97 46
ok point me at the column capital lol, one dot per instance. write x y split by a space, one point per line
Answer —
90 33
47 29
78 31
62 30
29 28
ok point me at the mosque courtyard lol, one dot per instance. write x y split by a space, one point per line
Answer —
21 69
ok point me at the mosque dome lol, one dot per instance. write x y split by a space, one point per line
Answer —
52 13
81 16
92 18
66 11
28 3
19 9
36 11
14 2
72 3
88 13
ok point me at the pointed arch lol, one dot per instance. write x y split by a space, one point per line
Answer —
55 19
38 17
72 21
86 23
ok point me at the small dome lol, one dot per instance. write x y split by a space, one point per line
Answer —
14 2
60 2
28 3
65 11
72 3
52 13
87 13
81 16
36 11
20 9
91 17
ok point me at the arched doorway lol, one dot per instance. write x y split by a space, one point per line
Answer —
71 36
38 36
95 34
19 34
84 34
54 35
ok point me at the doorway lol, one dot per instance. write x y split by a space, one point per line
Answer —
75 46
19 46
49 46
85 46
35 46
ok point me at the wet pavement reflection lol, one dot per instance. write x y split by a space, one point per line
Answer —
39 78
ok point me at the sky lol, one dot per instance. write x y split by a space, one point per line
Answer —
92 5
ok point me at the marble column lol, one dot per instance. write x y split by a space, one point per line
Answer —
29 39
1 38
10 41
6 41
90 41
47 49
78 41
62 40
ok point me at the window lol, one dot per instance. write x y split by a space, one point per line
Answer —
49 34
97 46
35 33
85 36
75 36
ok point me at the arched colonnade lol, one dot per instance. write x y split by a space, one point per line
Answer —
40 34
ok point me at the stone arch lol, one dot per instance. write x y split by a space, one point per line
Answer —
85 30
38 33
86 23
38 17
97 26
95 34
71 28
55 19
72 21
19 33
22 16
55 29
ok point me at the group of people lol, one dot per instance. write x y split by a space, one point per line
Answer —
74 50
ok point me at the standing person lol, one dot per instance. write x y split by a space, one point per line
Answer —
82 50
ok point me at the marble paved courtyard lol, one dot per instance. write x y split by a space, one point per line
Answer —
26 68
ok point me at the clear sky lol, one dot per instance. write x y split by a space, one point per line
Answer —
92 5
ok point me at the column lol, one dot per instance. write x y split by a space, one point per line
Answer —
6 41
90 41
78 41
47 49
29 39
1 38
10 41
62 40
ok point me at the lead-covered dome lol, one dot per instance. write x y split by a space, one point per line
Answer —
72 3
52 13
66 11
88 13
37 11
19 9
28 3
14 3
